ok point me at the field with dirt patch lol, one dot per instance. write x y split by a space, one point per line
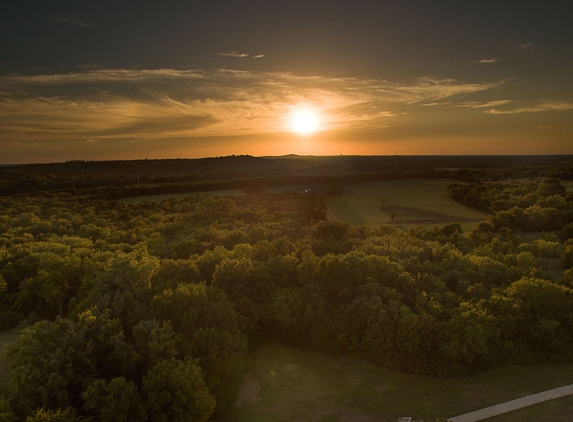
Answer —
411 203
287 384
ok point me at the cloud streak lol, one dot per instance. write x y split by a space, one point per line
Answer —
547 106
73 21
527 46
476 104
240 55
144 105
486 61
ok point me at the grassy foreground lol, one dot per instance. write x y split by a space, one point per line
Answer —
287 384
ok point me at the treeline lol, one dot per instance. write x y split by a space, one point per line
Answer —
120 192
147 312
233 172
526 206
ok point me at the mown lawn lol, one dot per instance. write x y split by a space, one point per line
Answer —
288 384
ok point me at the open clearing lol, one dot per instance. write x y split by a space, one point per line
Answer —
413 202
6 340
288 384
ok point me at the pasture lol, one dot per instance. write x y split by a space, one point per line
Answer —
412 202
288 384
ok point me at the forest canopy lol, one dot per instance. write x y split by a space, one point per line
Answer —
148 311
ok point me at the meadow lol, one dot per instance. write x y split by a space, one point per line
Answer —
412 202
289 384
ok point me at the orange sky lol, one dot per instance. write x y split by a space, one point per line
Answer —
130 114
209 78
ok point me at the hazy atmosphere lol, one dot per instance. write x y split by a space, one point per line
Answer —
130 80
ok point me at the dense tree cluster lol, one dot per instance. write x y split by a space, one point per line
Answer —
527 206
146 312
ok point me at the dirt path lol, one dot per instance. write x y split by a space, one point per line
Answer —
508 406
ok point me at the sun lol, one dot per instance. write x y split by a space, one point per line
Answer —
304 121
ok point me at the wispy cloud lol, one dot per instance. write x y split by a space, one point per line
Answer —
240 55
547 106
73 21
527 46
429 88
477 104
436 104
485 61
162 104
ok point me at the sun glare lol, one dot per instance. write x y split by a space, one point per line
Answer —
304 121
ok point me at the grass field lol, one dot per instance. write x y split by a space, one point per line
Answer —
286 384
413 202
6 339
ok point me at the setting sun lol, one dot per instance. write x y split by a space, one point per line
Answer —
304 122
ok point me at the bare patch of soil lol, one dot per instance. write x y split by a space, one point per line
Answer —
249 391
407 215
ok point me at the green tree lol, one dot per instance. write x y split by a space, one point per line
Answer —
116 401
174 391
51 362
125 287
568 257
59 415
550 187
312 208
233 276
208 329
6 412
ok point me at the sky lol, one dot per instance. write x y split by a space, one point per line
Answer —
97 80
